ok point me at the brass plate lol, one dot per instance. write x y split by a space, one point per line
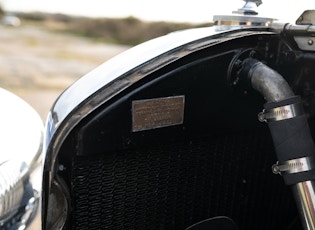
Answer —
157 113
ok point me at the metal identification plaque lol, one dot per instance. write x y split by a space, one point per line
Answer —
157 113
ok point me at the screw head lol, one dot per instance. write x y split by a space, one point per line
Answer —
275 169
300 18
310 42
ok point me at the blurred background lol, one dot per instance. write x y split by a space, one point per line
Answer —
46 45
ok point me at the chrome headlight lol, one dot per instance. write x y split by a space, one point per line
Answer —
21 148
13 176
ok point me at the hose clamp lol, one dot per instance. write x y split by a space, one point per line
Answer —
281 113
298 165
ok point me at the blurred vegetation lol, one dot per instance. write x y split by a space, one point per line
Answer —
1 11
128 31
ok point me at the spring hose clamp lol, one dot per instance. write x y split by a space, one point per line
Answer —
298 165
281 113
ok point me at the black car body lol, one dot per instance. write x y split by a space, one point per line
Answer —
167 135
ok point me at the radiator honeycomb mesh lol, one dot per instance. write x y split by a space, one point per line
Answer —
176 185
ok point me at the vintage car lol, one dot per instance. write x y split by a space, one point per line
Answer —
208 128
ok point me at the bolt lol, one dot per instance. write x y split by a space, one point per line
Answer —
300 19
275 169
252 54
61 168
310 42
261 117
238 64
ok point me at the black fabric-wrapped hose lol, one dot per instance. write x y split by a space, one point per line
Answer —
292 140
291 134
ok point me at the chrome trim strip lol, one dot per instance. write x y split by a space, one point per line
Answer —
121 64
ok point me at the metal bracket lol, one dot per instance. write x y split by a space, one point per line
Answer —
281 113
307 18
294 166
305 42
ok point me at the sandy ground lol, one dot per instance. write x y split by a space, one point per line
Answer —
38 65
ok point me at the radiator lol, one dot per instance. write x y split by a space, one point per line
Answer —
176 185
